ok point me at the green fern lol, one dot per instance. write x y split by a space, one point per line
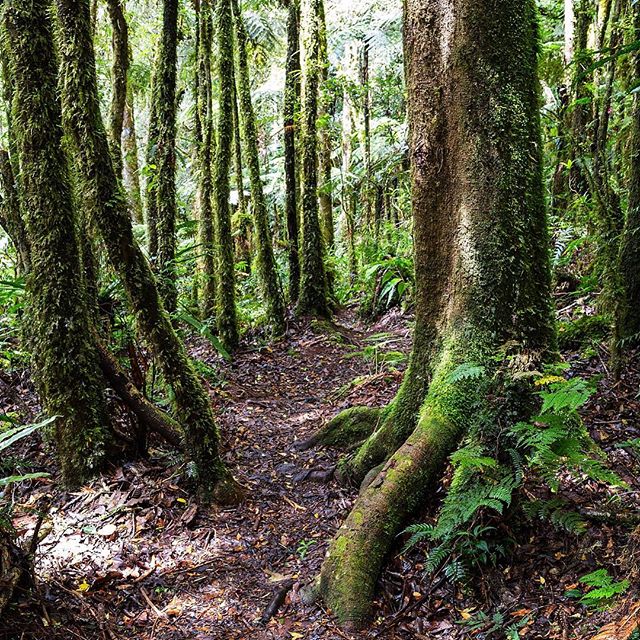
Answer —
466 371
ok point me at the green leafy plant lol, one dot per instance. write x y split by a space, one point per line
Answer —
304 546
603 589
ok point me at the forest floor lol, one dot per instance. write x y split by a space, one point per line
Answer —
133 555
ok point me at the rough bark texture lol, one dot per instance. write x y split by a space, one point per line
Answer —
628 315
481 254
67 374
290 112
226 298
313 285
112 219
204 141
265 260
119 75
166 107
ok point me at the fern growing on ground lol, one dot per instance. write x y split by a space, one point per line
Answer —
493 465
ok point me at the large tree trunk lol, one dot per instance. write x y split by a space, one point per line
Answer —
267 271
113 220
67 374
226 311
628 317
313 281
291 104
482 262
119 75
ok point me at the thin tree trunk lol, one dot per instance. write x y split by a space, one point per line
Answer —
226 298
291 105
67 374
325 145
313 281
204 141
269 279
166 107
112 218
478 204
119 75
131 167
11 215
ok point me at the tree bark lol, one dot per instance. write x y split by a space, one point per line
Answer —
113 220
204 142
119 75
325 144
290 112
11 215
166 107
226 299
482 264
267 272
68 379
313 281
131 167
628 318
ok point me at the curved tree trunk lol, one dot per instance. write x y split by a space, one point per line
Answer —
119 74
226 311
67 375
313 282
482 262
269 279
113 220
290 110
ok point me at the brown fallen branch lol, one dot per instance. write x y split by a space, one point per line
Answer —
277 601
152 417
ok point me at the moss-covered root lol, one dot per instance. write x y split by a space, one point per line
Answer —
348 428
352 565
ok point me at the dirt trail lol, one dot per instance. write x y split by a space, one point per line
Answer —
134 556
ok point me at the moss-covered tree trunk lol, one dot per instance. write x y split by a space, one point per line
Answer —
629 305
325 143
119 76
313 282
165 109
65 361
265 260
226 299
482 265
11 215
204 142
131 166
290 113
112 219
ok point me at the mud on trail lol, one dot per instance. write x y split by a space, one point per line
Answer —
133 555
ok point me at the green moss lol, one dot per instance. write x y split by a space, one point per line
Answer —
582 331
65 361
350 427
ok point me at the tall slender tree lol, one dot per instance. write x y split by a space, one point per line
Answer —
204 142
119 75
482 264
164 94
267 271
112 218
290 114
226 299
313 281
131 165
65 361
